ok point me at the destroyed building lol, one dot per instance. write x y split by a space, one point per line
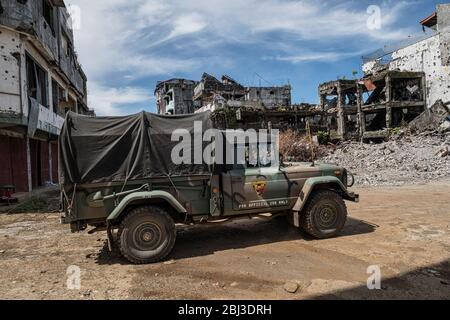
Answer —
368 108
41 79
428 53
394 99
399 84
212 93
176 96
340 101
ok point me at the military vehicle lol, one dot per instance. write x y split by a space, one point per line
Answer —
117 174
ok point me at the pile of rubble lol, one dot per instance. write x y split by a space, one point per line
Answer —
405 159
297 147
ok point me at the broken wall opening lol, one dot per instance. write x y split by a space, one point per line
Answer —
376 120
58 98
36 82
340 101
401 117
394 99
48 13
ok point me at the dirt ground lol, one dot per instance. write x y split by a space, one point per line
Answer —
403 230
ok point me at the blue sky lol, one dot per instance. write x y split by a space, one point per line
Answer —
125 46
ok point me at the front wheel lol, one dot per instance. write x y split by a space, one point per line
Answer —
325 215
146 235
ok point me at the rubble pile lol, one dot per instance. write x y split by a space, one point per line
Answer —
437 118
402 160
297 147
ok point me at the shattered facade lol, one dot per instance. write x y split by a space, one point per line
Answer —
295 117
397 87
175 96
394 99
41 80
430 55
212 93
340 101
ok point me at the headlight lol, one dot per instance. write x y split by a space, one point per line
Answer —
348 183
345 178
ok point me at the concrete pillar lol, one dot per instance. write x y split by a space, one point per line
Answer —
30 178
361 116
388 102
423 83
50 162
340 114
324 118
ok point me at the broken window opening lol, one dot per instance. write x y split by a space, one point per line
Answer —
330 103
407 90
375 121
350 98
47 12
70 106
58 97
351 125
402 116
377 95
65 44
36 82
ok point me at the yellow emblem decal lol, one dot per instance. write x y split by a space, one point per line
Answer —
260 187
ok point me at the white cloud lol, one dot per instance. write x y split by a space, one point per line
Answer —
187 24
108 101
328 56
319 56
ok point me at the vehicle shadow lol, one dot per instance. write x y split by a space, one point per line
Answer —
430 282
203 240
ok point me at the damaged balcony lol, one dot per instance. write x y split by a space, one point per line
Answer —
36 19
294 117
393 100
340 101
209 87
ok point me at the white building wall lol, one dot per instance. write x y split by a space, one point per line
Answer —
13 80
10 47
424 56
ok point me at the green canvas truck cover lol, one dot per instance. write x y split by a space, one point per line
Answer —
115 149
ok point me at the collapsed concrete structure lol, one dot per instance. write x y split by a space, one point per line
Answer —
400 83
182 96
212 93
368 108
429 53
41 79
176 96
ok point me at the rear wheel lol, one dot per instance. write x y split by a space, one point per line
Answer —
325 215
146 235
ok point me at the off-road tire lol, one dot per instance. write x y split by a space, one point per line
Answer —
147 234
325 215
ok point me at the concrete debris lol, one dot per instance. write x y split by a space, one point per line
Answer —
295 147
291 287
434 119
402 160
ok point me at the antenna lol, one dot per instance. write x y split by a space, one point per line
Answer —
308 130
261 78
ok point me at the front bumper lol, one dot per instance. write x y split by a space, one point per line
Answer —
353 197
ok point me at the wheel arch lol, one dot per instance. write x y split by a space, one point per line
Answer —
158 198
321 183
